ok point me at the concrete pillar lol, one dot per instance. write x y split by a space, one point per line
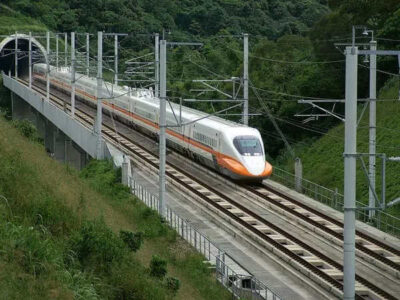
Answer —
116 59
298 173
246 79
350 150
162 124
157 65
73 154
62 148
59 145
21 110
41 125
66 151
125 171
372 128
49 139
99 115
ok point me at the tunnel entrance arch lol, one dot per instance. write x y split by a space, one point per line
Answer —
7 54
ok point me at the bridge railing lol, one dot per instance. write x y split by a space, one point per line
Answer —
383 221
228 272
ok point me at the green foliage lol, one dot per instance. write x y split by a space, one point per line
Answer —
95 242
32 249
55 217
189 20
107 180
173 284
130 281
281 31
380 16
323 160
132 240
46 250
271 18
158 267
12 20
27 129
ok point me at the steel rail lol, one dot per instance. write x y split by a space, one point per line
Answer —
337 235
246 225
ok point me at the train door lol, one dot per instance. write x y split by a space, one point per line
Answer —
190 147
216 154
130 108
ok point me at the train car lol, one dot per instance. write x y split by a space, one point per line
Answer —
229 148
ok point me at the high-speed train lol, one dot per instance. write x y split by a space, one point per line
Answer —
230 148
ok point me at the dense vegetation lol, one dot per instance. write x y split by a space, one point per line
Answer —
285 37
65 235
272 18
323 161
205 21
281 32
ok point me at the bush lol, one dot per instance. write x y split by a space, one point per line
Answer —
31 249
158 267
105 179
97 245
27 129
173 284
130 281
132 240
51 214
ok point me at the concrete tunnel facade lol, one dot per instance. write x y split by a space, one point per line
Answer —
7 54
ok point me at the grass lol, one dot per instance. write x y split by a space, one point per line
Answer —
183 262
11 21
323 160
59 234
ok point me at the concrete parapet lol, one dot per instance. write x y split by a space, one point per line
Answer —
81 135
66 139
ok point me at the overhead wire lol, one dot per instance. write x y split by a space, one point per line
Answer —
326 133
380 71
290 62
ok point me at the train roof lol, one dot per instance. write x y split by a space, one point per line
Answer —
188 114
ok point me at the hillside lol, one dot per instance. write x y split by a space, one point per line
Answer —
60 230
323 159
272 18
270 67
12 20
286 38
60 234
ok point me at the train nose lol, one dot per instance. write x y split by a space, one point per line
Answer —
254 164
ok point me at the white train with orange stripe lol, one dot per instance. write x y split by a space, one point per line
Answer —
230 148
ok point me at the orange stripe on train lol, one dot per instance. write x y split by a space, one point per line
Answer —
223 160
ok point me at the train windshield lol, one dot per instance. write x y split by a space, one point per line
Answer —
248 145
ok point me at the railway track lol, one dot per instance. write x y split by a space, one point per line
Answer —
379 253
311 262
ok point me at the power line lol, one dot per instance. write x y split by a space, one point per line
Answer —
381 71
208 70
389 40
292 95
271 117
296 124
290 62
260 89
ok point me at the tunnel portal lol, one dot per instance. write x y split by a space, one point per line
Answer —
7 54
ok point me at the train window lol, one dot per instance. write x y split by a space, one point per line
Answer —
202 138
248 145
144 113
